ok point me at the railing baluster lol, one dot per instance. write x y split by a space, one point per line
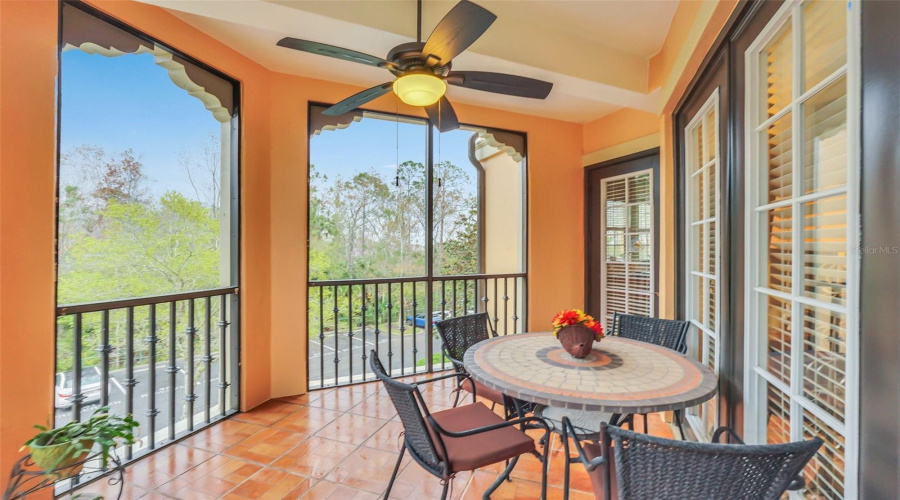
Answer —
321 336
377 324
455 286
223 355
152 412
172 370
77 396
443 317
403 332
208 358
496 304
515 317
337 357
349 333
505 306
390 307
362 348
189 396
415 324
104 350
466 297
130 381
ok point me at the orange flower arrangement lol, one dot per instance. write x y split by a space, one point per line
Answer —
571 317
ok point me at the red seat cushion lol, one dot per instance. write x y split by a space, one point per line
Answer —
483 391
598 475
484 448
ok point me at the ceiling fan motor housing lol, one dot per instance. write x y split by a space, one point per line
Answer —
409 57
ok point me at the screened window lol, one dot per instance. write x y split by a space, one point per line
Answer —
408 226
147 233
801 168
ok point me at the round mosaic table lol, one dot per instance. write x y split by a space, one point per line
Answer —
620 376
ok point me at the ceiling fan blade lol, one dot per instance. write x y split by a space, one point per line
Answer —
442 115
323 49
464 24
357 100
501 83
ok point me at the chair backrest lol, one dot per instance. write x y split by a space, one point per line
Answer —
652 467
412 411
460 333
665 332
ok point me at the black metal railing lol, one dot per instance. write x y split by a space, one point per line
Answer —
170 361
395 318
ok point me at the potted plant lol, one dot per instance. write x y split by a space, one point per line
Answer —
577 331
61 452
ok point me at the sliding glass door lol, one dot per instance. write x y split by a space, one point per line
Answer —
801 226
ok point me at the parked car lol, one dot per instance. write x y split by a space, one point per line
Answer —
435 316
91 384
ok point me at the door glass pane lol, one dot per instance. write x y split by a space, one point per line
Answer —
825 472
699 196
825 249
778 416
697 134
825 138
824 358
639 188
711 256
700 231
824 39
776 74
639 277
778 339
709 125
711 305
615 245
780 171
779 256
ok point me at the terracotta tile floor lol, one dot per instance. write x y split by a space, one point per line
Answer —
337 444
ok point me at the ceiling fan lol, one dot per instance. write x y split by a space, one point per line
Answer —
423 69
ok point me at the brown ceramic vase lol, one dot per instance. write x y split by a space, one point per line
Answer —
577 340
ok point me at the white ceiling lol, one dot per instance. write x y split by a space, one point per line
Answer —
596 53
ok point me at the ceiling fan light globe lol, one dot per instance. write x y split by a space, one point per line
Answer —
419 89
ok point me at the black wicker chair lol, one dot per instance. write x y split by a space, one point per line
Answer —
630 465
464 438
664 332
458 335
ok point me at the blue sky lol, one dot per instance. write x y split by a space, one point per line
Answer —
373 143
129 102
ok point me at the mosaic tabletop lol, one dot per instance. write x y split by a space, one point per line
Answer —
619 376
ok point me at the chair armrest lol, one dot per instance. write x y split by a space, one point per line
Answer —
459 365
478 430
443 377
569 430
726 430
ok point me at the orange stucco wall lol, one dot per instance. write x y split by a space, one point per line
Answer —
27 211
273 208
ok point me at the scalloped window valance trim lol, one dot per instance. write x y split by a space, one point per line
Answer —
90 34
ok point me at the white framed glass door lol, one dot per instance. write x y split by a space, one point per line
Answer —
802 212
702 249
627 273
